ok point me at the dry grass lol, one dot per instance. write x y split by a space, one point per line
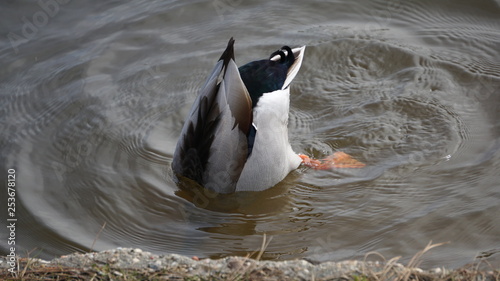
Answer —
97 236
249 271
396 272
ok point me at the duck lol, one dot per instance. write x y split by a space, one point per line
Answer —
235 137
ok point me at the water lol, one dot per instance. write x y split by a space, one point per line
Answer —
93 97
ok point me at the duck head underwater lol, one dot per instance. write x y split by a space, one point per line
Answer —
235 137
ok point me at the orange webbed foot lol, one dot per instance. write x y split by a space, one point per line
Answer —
343 160
309 162
336 160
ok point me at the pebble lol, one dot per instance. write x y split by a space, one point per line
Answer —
154 267
437 270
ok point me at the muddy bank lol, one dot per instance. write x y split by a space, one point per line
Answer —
135 264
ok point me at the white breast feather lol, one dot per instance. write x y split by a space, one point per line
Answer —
272 157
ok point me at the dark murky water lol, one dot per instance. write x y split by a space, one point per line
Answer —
93 97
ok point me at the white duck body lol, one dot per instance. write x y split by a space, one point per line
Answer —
214 146
272 157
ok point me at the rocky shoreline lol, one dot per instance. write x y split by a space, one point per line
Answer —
135 264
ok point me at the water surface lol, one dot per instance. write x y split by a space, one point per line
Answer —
93 97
